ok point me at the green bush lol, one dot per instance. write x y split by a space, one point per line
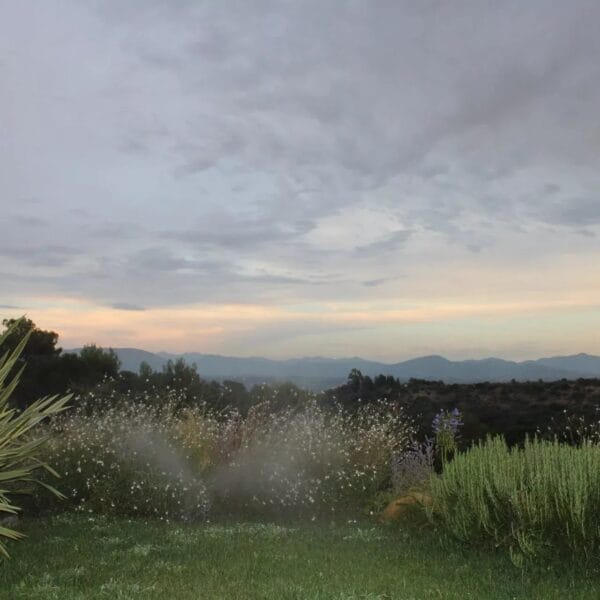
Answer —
19 444
540 498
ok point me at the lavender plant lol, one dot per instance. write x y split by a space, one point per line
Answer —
413 467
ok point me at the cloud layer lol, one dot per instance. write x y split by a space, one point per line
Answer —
295 156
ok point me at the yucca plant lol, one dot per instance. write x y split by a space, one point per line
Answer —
19 444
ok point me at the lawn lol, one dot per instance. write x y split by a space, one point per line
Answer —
75 557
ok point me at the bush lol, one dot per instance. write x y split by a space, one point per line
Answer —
413 468
126 456
122 459
311 459
19 448
534 500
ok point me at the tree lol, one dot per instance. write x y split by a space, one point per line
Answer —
355 378
99 363
40 357
145 371
40 342
179 375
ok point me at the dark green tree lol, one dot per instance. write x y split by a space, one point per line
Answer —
40 342
99 363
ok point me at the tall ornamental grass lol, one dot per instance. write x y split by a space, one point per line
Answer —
123 459
537 499
147 456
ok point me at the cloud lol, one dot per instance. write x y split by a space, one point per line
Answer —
575 212
166 153
222 229
375 282
38 255
391 243
127 306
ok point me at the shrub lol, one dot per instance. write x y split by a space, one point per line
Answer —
535 499
413 468
141 456
574 427
445 428
122 459
19 448
311 459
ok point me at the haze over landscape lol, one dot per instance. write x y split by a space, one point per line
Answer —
385 180
318 373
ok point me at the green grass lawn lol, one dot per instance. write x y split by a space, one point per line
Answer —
72 556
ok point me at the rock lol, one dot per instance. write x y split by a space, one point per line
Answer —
9 521
397 507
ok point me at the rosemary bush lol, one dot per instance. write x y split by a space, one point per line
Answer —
537 499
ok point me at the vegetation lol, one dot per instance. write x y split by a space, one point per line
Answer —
535 500
170 446
19 443
77 557
46 370
515 410
144 457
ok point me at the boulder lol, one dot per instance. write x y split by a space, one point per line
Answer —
397 507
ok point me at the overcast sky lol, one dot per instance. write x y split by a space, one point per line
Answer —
383 179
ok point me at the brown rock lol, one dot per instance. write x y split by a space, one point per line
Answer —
397 507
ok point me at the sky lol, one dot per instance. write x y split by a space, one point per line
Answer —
291 178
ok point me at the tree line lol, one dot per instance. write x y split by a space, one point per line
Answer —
513 409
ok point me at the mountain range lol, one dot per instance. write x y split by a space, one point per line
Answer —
318 373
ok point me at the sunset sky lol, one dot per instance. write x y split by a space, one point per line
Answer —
381 179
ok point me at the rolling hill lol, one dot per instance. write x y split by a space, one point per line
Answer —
319 373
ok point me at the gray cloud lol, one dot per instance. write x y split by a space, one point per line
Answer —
392 243
127 306
37 255
576 212
173 152
223 229
375 282
30 221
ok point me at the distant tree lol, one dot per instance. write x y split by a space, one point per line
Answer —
236 395
41 358
99 363
145 371
184 379
40 343
178 374
279 395
355 378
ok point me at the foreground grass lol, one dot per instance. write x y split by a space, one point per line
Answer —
73 557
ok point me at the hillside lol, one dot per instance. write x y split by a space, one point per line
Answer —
318 373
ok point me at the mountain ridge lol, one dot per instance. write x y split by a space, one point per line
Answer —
315 372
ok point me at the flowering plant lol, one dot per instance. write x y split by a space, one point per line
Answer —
446 425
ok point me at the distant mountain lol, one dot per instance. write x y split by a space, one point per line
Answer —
132 358
577 363
319 373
